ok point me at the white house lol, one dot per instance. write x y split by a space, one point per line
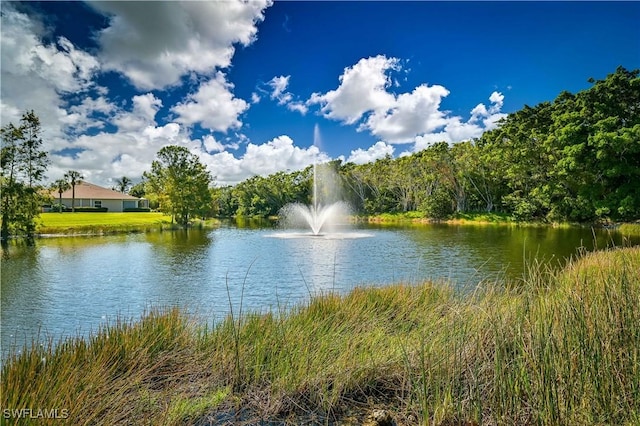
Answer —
90 195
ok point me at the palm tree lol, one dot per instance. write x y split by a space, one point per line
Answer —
74 178
60 185
123 184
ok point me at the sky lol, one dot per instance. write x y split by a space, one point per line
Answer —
243 84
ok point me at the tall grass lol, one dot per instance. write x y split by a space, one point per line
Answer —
558 348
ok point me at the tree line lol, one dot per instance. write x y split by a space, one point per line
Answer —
576 158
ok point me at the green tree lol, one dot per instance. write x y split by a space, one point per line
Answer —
181 183
74 178
60 186
122 184
24 165
138 190
596 134
11 186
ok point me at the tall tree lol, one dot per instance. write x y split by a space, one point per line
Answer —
123 184
11 186
74 178
34 167
60 186
181 183
24 164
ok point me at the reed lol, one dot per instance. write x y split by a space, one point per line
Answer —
556 348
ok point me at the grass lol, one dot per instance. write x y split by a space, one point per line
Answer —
556 348
630 229
98 223
476 218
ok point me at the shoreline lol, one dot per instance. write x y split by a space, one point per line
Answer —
420 353
410 218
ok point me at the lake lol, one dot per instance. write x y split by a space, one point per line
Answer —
68 286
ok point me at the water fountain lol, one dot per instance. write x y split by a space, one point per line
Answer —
327 215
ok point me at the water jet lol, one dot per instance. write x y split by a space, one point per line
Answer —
326 216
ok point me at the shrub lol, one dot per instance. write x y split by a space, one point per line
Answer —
136 209
89 209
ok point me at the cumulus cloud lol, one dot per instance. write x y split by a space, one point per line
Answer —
142 114
213 106
363 88
456 130
489 116
373 153
155 46
412 114
363 99
275 155
37 75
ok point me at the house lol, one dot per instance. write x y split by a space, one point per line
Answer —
90 195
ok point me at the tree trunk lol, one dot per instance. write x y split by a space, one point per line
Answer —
4 233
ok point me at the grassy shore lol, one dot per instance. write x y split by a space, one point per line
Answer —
414 217
102 223
557 348
630 229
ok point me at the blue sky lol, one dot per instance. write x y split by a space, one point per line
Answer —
242 84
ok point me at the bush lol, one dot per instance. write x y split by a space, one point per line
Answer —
137 209
89 209
438 206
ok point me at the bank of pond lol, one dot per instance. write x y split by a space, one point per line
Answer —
557 347
108 223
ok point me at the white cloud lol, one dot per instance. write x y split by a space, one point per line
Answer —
278 86
373 153
362 88
155 46
212 145
363 98
142 115
36 76
213 106
84 116
491 116
412 114
275 155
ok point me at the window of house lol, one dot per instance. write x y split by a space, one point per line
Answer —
97 203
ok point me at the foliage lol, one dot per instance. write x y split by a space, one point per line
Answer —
576 158
122 184
74 178
181 184
23 168
60 186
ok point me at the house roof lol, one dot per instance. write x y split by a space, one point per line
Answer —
94 192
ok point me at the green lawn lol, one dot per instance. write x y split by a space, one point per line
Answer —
51 223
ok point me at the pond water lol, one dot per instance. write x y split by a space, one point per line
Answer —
68 286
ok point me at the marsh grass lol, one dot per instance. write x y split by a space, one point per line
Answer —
557 348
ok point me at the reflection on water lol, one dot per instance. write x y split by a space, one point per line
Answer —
70 286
